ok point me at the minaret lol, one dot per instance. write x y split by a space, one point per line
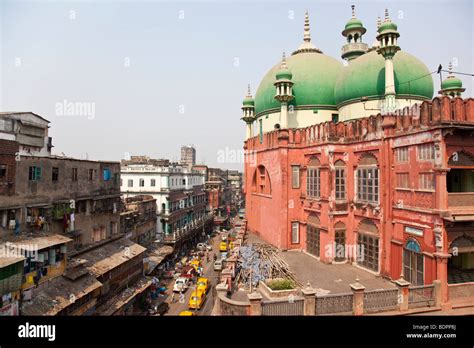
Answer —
451 86
387 37
248 111
307 45
284 93
353 32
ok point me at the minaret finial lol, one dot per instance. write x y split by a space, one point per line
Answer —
283 62
307 35
379 22
450 68
387 17
249 94
353 11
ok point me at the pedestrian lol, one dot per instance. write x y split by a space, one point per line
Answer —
207 257
215 257
172 297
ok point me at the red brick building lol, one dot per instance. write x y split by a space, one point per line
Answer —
391 193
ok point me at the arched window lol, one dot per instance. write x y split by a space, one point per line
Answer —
313 178
313 238
368 179
368 245
261 181
340 180
413 263
340 241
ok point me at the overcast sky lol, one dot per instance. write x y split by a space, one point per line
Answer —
155 75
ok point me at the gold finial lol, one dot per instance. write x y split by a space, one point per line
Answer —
307 35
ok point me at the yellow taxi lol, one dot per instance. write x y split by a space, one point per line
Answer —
197 299
196 264
186 314
203 284
223 246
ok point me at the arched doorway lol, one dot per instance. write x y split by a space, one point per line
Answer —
340 241
368 245
413 268
313 238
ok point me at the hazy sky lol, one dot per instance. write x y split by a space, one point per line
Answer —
155 75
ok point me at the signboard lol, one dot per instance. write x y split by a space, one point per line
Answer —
414 231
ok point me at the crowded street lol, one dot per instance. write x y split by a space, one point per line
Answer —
178 305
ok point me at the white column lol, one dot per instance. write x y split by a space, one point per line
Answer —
389 78
389 85
284 116
249 131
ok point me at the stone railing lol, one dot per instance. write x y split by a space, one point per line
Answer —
461 200
354 46
460 291
358 302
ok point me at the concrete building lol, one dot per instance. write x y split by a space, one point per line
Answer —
27 129
235 182
176 190
391 193
188 156
138 219
76 198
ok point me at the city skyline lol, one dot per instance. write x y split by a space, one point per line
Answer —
169 64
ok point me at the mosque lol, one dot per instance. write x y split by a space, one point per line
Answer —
360 156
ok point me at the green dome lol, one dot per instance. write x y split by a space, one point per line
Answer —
354 23
387 26
365 77
451 83
284 74
248 102
314 78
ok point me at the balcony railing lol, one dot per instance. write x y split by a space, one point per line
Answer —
355 46
189 229
461 200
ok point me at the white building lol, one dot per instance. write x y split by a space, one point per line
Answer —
29 130
156 179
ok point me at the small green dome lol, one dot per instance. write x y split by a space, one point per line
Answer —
314 76
387 26
451 83
353 23
365 77
284 74
248 101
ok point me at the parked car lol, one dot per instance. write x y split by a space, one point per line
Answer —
161 309
204 246
197 299
186 314
218 265
181 284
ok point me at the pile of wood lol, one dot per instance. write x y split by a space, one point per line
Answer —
259 262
